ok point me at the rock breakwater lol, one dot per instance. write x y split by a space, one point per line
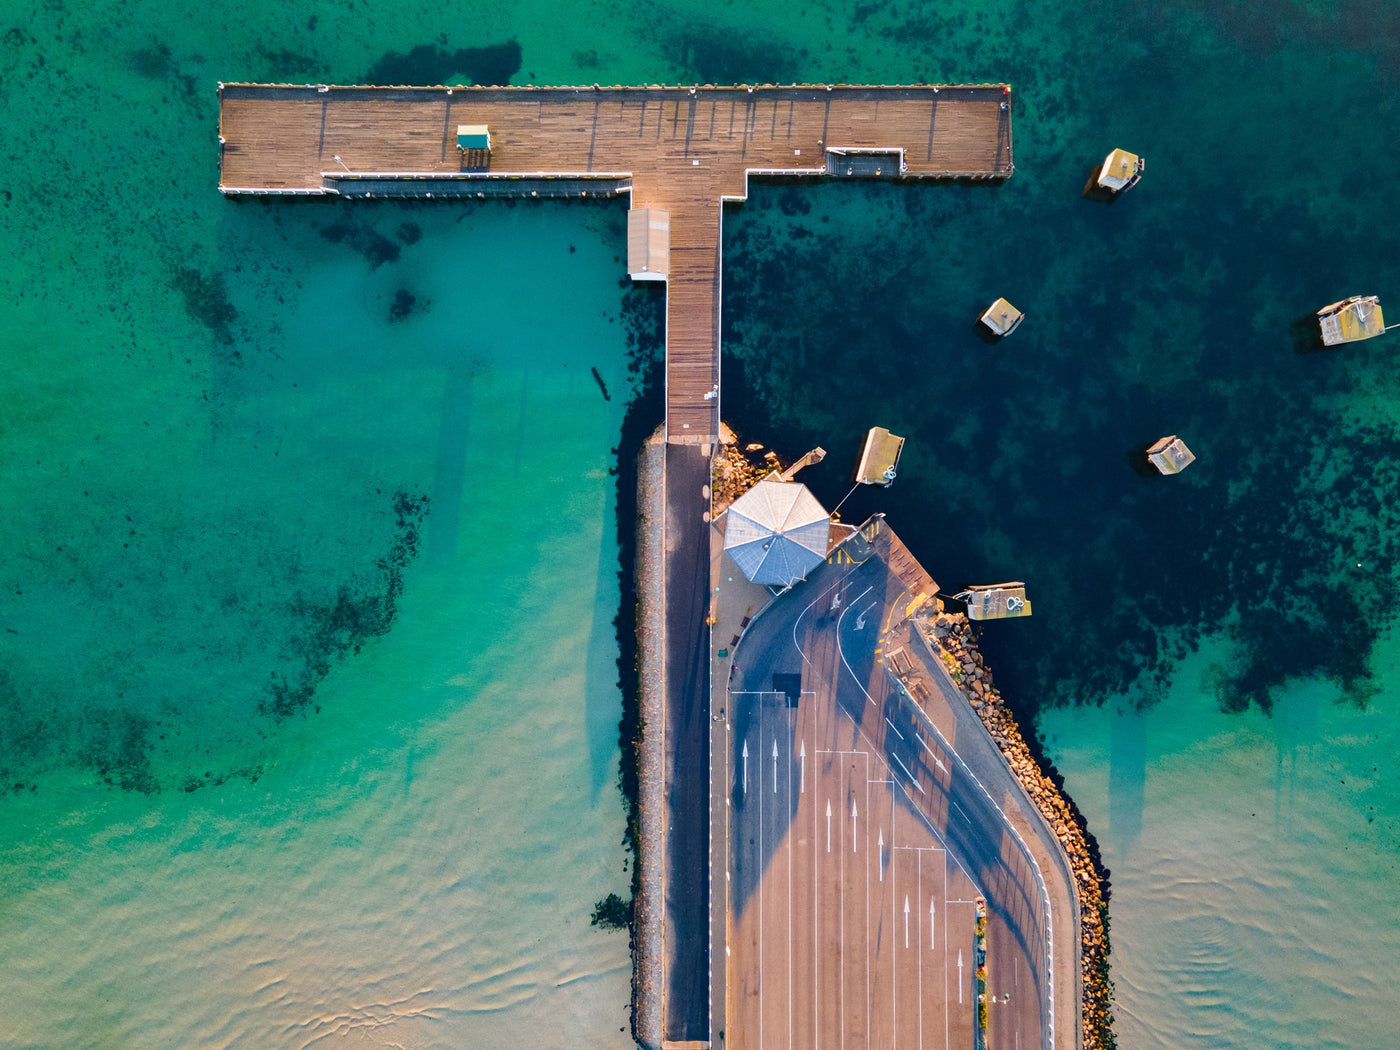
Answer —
951 633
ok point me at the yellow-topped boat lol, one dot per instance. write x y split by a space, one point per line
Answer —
1351 320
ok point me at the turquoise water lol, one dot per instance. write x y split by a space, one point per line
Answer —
308 670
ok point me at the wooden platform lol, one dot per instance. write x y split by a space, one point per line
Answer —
683 150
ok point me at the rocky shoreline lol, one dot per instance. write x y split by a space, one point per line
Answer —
649 901
952 633
736 468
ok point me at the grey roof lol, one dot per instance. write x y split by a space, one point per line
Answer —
777 532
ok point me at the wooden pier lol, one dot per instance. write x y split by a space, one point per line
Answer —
680 150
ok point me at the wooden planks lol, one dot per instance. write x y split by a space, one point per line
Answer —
284 137
685 150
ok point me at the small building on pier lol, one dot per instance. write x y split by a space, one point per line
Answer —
473 137
777 532
648 244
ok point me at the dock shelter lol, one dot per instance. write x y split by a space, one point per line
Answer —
648 244
473 137
777 532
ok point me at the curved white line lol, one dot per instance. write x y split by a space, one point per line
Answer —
1040 881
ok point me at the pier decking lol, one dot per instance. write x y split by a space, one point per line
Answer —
680 150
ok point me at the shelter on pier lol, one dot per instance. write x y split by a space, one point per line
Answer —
648 244
473 137
1170 455
1001 318
996 601
777 532
1351 320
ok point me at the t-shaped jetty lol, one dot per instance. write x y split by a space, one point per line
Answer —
678 154
678 151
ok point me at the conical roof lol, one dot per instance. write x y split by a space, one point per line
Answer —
777 532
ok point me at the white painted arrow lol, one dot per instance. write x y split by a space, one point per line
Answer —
746 767
932 937
775 765
936 762
802 769
854 838
906 920
880 855
828 825
959 975
860 622
836 601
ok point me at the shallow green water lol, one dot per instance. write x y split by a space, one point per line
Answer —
294 754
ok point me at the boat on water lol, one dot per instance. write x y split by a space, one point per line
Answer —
1170 455
1351 320
879 459
1001 318
1119 172
996 601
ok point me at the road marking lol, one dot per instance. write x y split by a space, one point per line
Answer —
860 620
960 977
841 942
880 854
931 753
854 838
917 812
807 608
911 776
868 967
775 765
919 870
746 767
946 1012
892 726
802 769
789 909
906 921
932 931
828 825
1034 866
923 725
816 907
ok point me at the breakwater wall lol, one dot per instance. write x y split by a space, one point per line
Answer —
953 634
648 906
